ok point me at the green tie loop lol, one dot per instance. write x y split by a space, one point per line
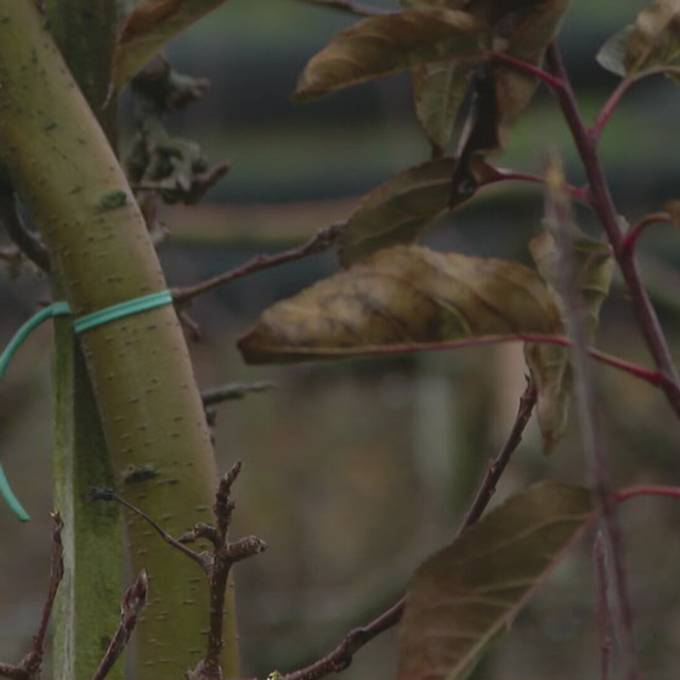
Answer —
80 325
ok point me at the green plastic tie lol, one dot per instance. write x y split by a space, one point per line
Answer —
121 310
84 323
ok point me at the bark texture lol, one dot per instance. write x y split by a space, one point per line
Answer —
151 414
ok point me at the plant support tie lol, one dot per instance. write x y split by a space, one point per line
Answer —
80 325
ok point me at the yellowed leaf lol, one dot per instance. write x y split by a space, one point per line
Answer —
673 209
380 45
653 40
470 592
402 295
150 25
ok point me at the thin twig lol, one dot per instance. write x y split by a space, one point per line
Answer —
134 601
217 565
603 610
497 466
559 217
606 211
111 495
610 105
341 656
225 555
231 391
634 233
30 667
321 241
496 175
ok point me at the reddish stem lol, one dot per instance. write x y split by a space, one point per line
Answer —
647 490
630 239
606 211
552 81
610 105
579 194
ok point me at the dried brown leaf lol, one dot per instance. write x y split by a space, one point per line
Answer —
653 40
381 45
467 594
150 25
673 209
402 295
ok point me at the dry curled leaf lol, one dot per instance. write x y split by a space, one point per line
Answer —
549 366
402 295
381 45
150 25
470 592
673 209
653 40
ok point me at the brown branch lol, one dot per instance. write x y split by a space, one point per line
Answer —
341 656
494 175
13 672
111 495
497 466
216 566
231 391
30 667
225 555
606 211
323 240
558 215
134 601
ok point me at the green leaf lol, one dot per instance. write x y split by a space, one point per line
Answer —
653 40
438 92
399 210
549 365
402 295
534 25
471 591
150 25
381 45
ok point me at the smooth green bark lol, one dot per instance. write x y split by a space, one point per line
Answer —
143 383
86 613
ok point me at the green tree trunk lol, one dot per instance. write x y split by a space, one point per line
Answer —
86 612
151 413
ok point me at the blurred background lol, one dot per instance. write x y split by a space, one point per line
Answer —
356 471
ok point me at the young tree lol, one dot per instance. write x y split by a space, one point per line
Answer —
482 59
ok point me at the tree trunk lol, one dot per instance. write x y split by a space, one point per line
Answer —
150 409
